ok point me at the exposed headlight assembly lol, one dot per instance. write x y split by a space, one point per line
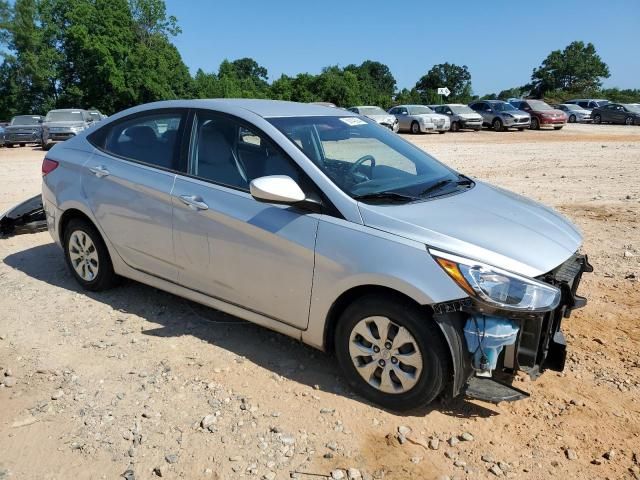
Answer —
496 287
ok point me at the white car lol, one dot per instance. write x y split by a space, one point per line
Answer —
420 119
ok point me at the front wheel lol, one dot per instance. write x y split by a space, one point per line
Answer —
597 119
87 256
455 126
415 128
628 121
391 353
535 124
9 145
572 119
497 125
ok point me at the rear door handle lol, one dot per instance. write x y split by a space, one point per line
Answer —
99 171
194 202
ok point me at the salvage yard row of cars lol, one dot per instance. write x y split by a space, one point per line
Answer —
500 115
57 126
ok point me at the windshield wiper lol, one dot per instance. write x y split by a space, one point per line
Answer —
393 196
463 181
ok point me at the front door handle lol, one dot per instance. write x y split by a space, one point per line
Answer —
99 171
194 202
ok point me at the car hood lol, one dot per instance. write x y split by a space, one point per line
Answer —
485 223
68 124
554 112
388 118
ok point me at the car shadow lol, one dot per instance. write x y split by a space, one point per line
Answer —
177 316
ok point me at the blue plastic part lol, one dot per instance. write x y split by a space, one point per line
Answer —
486 337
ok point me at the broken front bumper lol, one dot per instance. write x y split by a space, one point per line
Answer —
27 217
540 344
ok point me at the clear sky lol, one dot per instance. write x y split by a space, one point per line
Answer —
500 41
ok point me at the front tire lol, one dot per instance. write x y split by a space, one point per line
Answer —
391 353
497 125
87 256
9 145
572 119
415 128
628 121
597 119
535 124
455 126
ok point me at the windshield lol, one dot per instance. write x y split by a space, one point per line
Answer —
60 116
461 109
25 120
419 110
95 115
503 107
372 111
632 107
539 105
364 159
602 103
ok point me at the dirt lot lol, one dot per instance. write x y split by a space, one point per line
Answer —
98 384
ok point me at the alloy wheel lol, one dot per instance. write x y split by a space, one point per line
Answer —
385 355
83 255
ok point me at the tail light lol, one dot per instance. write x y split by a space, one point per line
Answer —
48 166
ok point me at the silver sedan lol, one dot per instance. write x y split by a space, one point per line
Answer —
322 225
575 113
379 115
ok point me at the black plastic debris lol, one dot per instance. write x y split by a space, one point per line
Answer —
27 217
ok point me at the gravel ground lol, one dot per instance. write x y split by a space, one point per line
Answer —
136 383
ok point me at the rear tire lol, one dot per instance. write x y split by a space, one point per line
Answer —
415 128
421 357
497 125
87 256
597 119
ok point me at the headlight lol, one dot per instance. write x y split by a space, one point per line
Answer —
508 115
497 287
76 129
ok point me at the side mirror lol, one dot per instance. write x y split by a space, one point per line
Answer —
276 189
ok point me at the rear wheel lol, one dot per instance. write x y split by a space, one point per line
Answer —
390 353
87 256
415 128
497 125
597 118
535 124
572 119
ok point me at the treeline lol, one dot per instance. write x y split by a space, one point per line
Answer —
113 54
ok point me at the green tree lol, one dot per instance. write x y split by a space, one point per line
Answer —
577 68
456 78
377 84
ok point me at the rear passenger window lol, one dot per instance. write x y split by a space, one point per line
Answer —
151 139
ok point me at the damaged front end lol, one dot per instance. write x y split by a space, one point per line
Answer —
511 323
27 217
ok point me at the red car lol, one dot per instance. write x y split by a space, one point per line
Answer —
542 114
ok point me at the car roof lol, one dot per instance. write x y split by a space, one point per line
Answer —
366 106
68 110
261 107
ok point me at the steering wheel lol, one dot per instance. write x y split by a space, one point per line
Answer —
358 176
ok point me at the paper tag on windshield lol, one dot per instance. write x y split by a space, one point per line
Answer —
353 121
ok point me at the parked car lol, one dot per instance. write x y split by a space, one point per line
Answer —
419 119
61 125
575 113
1 136
588 103
377 114
622 113
501 115
96 115
542 114
460 116
23 129
415 275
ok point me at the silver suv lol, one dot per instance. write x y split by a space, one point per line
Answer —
61 125
501 115
416 276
